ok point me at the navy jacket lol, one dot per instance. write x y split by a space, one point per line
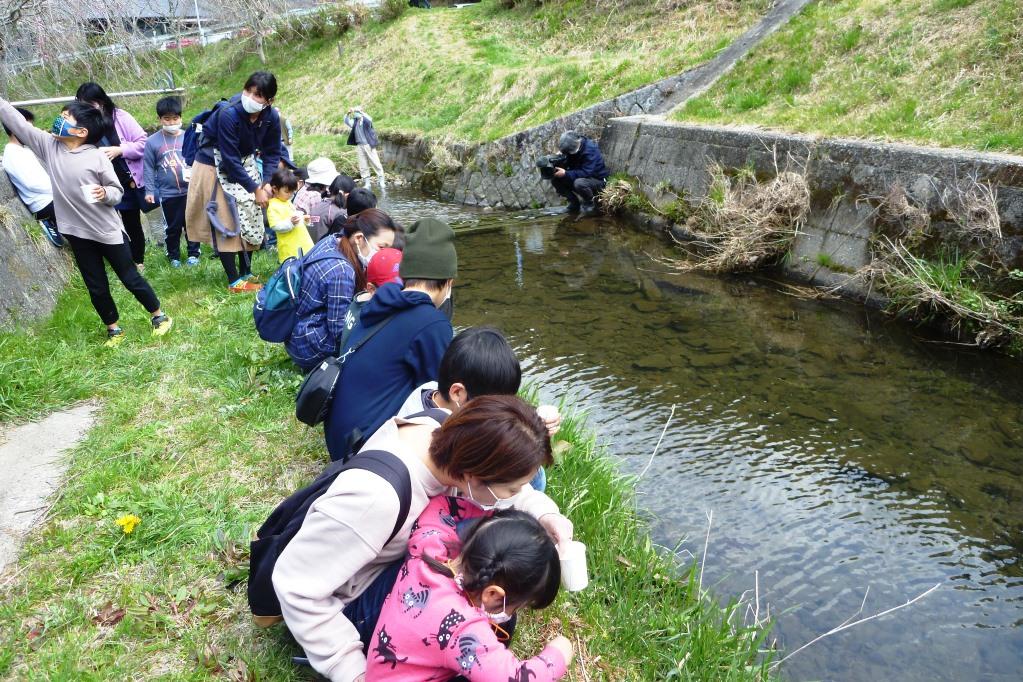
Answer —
368 130
231 131
378 377
588 162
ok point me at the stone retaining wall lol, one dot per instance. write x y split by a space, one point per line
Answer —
503 174
32 272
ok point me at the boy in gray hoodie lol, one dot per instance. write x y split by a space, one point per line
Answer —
85 191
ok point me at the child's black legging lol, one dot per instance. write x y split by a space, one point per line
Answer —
89 255
233 272
132 221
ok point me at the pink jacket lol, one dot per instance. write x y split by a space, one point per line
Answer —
428 629
133 142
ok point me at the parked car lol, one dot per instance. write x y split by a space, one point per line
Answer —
181 43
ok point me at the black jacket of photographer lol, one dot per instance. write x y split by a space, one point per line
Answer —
588 162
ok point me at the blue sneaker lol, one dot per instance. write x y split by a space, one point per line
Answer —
192 261
51 234
175 263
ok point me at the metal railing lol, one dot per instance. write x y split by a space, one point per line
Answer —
130 93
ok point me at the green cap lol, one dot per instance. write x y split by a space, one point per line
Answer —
429 251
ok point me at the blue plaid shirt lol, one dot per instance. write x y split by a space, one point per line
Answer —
328 285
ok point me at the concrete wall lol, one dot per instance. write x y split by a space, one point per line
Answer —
32 272
847 178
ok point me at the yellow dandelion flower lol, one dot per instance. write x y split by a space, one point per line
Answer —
128 523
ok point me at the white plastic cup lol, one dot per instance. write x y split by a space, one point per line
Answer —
186 173
547 412
574 576
87 193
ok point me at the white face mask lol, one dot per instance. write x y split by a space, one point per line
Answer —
250 105
502 617
499 502
365 259
172 129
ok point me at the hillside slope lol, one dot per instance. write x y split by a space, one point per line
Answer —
475 73
940 72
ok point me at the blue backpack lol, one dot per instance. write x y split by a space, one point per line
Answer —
275 311
194 139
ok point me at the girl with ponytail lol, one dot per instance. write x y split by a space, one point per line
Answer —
460 591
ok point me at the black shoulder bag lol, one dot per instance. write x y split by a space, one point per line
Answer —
317 390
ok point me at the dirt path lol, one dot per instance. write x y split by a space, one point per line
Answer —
32 463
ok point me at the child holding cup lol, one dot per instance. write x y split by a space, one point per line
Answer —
287 223
85 191
461 590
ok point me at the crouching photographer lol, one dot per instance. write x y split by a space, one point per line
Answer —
577 174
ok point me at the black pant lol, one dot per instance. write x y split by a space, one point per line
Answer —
582 189
174 214
46 213
132 221
89 255
244 265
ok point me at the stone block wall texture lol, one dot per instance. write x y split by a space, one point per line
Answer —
847 180
32 272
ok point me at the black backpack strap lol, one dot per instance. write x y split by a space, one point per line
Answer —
435 413
387 466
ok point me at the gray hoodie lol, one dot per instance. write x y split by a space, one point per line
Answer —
69 169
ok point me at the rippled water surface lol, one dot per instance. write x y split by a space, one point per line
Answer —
838 452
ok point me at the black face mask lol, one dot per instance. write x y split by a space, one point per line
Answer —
448 306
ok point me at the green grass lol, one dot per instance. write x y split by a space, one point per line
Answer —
196 437
472 74
939 72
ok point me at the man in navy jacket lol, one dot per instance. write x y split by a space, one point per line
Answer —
403 353
582 174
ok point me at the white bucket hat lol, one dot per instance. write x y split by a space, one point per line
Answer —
321 171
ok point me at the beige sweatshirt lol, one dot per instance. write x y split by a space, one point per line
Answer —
69 169
340 550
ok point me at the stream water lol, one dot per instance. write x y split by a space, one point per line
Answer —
837 451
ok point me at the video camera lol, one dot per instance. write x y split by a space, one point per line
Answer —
547 164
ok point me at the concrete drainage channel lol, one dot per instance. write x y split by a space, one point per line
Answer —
33 459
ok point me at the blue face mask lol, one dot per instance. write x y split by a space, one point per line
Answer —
62 127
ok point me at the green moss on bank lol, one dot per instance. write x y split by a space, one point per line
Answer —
196 437
942 72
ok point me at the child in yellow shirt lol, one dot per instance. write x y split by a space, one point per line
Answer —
285 219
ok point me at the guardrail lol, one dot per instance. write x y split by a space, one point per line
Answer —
130 93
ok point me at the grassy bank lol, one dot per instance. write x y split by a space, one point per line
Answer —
196 438
475 73
941 72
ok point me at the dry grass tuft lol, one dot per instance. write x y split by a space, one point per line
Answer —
442 160
944 288
973 207
744 223
615 195
914 221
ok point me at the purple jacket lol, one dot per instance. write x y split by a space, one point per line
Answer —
133 143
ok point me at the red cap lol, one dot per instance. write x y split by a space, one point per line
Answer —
383 267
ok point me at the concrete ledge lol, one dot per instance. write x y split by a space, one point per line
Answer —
847 180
